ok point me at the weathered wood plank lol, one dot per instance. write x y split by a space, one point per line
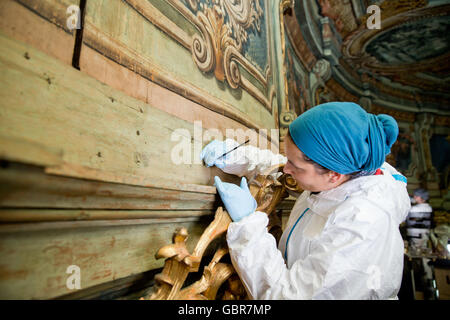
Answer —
135 85
33 264
49 104
54 11
39 215
70 225
17 149
78 171
129 288
23 186
41 24
28 186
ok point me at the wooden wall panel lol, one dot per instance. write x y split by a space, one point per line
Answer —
87 175
110 231
88 124
25 190
34 262
149 43
41 24
54 116
135 85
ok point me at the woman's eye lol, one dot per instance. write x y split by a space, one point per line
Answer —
295 167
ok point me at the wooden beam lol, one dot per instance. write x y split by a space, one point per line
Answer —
71 225
23 186
144 216
34 263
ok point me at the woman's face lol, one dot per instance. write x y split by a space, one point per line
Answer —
419 199
305 173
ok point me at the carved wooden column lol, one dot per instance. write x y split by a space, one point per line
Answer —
429 175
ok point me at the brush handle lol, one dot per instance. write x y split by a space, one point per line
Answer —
233 149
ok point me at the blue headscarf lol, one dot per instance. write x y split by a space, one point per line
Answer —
343 137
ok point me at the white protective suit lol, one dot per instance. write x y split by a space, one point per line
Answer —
420 211
418 224
342 243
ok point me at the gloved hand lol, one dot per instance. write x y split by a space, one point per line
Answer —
237 200
211 153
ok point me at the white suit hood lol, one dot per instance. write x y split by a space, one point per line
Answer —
386 191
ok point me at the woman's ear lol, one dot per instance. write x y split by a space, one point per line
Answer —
335 177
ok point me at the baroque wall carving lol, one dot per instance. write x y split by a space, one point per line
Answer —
238 68
222 45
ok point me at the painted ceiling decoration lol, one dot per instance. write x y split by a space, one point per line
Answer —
401 69
406 61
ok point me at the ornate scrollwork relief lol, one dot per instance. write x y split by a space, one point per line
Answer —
286 114
319 74
224 30
286 117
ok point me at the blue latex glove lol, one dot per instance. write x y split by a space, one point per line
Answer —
237 200
211 153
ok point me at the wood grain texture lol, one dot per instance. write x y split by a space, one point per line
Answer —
53 115
48 104
56 117
28 194
41 24
136 43
34 263
191 108
107 193
39 211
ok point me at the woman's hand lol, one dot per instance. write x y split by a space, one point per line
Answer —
211 154
237 200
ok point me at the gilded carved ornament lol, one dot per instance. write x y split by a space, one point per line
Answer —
268 189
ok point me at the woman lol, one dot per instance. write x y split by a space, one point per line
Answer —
419 219
342 239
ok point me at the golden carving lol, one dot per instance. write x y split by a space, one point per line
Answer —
179 263
268 190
